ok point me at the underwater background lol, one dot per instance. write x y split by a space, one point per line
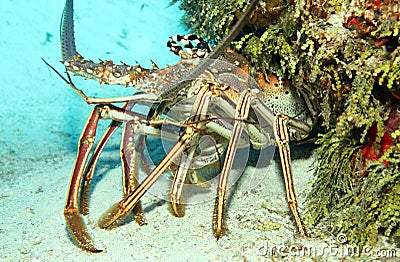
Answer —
41 121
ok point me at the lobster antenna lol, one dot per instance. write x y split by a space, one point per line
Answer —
226 41
68 48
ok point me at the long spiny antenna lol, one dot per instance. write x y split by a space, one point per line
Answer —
68 48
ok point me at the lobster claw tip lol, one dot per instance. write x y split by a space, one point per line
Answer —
78 230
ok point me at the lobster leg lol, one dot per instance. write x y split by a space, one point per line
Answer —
126 171
74 220
242 110
130 166
282 141
188 140
120 210
281 122
280 127
199 110
177 206
89 170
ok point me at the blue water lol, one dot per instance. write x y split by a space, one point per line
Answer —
41 117
38 109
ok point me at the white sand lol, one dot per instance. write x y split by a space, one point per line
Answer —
41 122
33 225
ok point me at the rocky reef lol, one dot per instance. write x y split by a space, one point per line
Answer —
346 54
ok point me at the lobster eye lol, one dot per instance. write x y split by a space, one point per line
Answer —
201 45
398 110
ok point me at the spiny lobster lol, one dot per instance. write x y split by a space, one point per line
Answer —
225 103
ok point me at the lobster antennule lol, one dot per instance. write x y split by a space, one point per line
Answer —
68 48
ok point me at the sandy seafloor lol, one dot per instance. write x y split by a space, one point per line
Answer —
41 120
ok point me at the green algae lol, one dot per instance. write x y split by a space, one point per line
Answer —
347 56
